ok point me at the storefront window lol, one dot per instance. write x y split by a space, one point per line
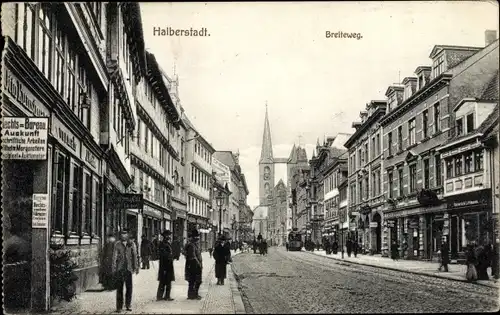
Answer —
478 160
61 175
75 197
88 204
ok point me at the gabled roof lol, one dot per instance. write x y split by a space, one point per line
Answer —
438 48
392 88
226 158
422 68
293 155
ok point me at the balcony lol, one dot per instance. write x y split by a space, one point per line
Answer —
203 163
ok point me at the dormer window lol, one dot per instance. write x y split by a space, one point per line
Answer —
421 81
438 66
407 91
470 123
460 126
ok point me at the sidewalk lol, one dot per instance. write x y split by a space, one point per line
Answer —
456 272
216 299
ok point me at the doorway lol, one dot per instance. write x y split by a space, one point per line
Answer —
378 232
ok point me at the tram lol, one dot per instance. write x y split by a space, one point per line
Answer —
295 240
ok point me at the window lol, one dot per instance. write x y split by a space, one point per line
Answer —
458 165
75 198
470 123
87 199
468 163
60 178
426 173
146 138
366 153
377 145
400 182
437 119
460 127
413 177
400 138
97 210
411 132
361 195
438 66
71 82
45 41
420 81
437 162
25 21
361 157
389 148
391 184
449 168
425 123
478 161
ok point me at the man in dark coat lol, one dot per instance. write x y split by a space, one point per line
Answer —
222 256
125 263
107 277
355 247
394 250
176 248
146 251
348 246
445 256
154 247
194 265
166 268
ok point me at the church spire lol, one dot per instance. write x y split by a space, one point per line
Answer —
266 154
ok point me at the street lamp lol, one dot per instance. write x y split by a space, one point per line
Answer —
220 201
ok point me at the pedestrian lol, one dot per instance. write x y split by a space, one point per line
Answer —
394 250
125 263
495 260
471 261
355 248
146 251
176 248
194 265
210 250
335 247
483 254
348 246
445 256
107 276
154 247
222 253
166 272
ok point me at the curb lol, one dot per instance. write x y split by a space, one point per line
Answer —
239 307
408 271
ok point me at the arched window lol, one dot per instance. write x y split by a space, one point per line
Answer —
267 172
266 187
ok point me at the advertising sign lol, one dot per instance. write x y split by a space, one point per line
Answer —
40 217
126 201
24 138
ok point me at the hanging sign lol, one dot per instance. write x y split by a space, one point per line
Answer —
24 138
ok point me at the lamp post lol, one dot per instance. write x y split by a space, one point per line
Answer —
220 201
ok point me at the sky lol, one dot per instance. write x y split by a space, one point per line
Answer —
278 53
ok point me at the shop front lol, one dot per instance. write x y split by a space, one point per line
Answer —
179 224
26 153
470 220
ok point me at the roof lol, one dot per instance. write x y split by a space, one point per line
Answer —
266 153
226 158
490 121
132 16
438 48
491 91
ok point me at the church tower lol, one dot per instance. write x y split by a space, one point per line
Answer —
266 166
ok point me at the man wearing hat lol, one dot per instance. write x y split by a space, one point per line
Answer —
125 263
222 255
166 268
194 265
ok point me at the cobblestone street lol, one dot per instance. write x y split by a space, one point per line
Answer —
216 299
298 282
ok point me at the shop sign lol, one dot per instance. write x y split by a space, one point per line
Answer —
24 138
90 159
65 136
373 224
481 198
18 92
40 212
126 201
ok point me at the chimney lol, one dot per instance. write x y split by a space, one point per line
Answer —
489 37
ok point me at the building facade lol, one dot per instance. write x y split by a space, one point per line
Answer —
278 215
199 163
417 123
365 166
65 67
468 174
